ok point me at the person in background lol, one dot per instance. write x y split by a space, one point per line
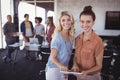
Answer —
50 29
27 30
88 48
61 48
39 33
9 31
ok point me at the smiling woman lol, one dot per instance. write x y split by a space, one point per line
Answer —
89 48
61 48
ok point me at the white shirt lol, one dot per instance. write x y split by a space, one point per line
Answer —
39 29
28 32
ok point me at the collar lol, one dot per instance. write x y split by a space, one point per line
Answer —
91 37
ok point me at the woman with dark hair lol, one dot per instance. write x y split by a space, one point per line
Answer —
27 30
39 29
50 29
39 33
88 48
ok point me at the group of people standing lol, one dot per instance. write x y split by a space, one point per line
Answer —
28 31
88 45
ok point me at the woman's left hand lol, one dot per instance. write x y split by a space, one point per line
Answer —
84 73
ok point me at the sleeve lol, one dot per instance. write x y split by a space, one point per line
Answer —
99 47
35 29
55 42
21 27
43 27
5 30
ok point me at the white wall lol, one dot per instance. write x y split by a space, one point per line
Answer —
99 7
0 26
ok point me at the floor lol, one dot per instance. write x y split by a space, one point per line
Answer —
27 69
23 69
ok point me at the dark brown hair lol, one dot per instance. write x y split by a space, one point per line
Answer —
88 11
26 15
39 19
51 19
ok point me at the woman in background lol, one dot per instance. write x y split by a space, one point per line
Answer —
49 29
27 30
39 33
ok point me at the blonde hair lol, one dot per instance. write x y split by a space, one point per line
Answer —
71 30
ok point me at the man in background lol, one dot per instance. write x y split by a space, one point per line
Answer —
9 31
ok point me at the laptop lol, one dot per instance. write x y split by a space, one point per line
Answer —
34 41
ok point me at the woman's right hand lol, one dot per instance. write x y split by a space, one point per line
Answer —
63 68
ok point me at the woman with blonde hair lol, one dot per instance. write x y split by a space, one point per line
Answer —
61 48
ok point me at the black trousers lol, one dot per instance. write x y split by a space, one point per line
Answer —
40 38
9 52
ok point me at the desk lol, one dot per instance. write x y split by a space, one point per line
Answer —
16 47
45 49
32 47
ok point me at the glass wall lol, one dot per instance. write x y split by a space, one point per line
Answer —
0 26
25 7
33 11
6 8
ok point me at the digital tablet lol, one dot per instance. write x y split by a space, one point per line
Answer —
69 72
